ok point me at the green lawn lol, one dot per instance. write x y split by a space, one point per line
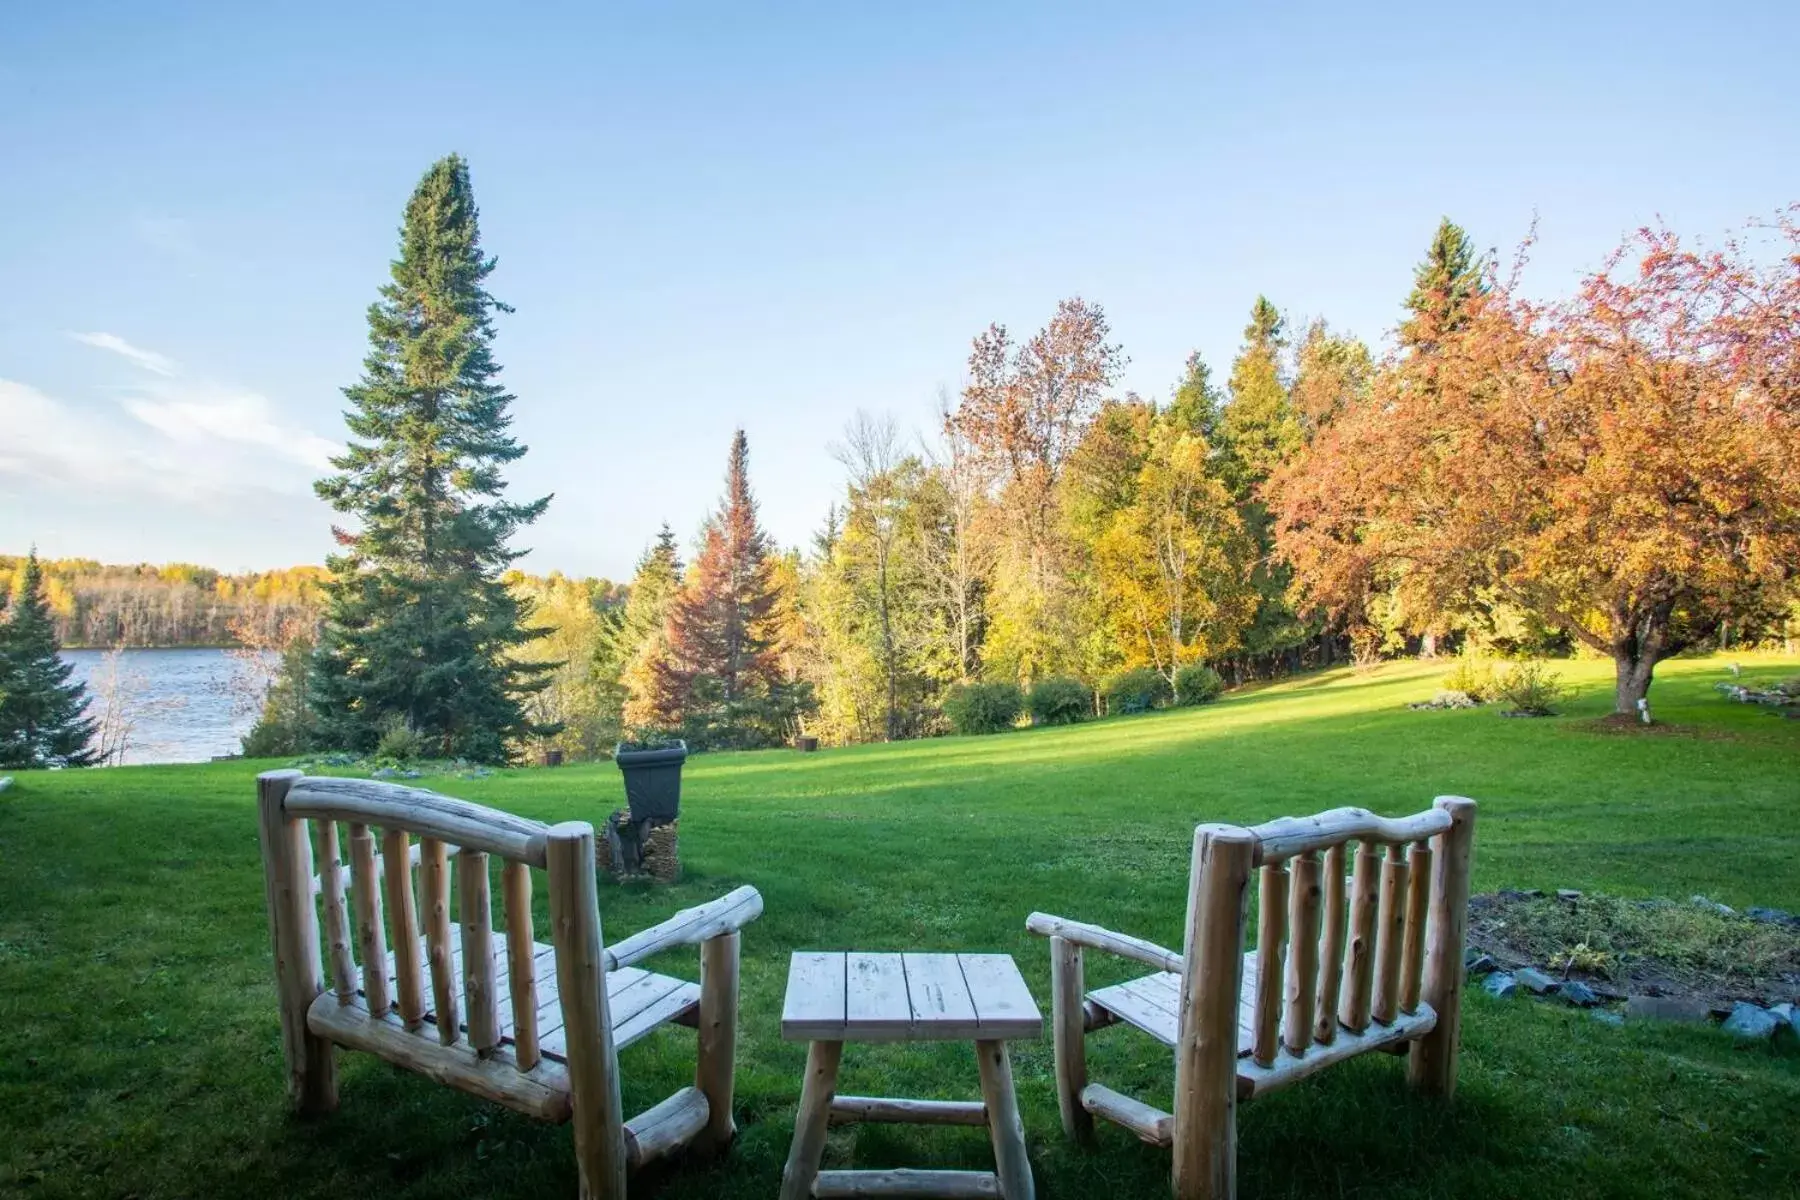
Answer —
138 1046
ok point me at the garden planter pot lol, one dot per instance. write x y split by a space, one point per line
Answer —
550 758
652 781
808 744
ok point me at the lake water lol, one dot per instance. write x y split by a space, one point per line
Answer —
181 704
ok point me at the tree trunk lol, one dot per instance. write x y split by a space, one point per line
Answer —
1640 641
1632 681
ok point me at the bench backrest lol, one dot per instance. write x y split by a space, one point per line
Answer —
1331 953
369 910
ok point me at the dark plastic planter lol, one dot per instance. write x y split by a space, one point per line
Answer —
652 781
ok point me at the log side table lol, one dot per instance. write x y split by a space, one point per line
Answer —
837 997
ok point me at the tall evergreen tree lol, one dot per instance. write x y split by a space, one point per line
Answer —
640 639
43 721
1196 403
720 680
419 625
1443 285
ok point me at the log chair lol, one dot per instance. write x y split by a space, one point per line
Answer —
1327 981
534 1027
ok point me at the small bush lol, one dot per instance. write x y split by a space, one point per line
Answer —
984 707
1474 678
1059 700
399 741
1198 683
1531 689
1135 691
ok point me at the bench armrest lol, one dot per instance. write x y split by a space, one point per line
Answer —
1121 944
689 927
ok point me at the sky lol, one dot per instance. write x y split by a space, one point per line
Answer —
770 216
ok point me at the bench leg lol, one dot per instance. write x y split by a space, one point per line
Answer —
294 935
811 1125
1004 1125
715 1060
1069 1029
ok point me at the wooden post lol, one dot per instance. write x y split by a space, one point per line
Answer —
813 1121
1331 949
294 935
592 1065
396 867
337 917
1303 953
1418 909
434 894
1206 1054
1271 932
1431 1065
716 1058
1005 1129
521 961
481 982
1069 1032
1391 926
371 937
1359 967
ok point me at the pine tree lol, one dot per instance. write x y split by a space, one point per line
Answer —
43 721
720 679
1443 285
419 625
1196 403
639 641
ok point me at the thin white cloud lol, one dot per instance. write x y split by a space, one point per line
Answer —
193 445
149 360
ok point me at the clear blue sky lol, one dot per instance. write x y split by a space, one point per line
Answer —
770 216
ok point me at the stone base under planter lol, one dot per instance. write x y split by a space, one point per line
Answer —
629 850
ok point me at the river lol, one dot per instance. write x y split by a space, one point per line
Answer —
176 705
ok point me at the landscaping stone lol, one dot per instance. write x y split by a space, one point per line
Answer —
1724 910
5 782
1607 1018
1479 964
1535 981
1579 994
1667 1008
1516 894
1772 916
1783 1013
1501 985
1567 895
1749 1023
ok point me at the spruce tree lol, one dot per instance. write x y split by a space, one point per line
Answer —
419 625
43 717
1443 285
719 677
1196 404
638 641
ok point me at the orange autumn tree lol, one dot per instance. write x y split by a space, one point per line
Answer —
1625 465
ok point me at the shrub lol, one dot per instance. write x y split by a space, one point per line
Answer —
1059 700
1531 689
1474 678
984 707
1138 690
399 741
1198 683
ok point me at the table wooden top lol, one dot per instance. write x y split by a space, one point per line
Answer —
865 996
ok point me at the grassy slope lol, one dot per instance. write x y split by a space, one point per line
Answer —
138 1050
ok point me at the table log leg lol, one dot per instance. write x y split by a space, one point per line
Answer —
1004 1125
812 1122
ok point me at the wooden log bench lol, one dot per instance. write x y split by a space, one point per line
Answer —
479 1005
1342 966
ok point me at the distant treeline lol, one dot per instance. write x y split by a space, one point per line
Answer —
178 604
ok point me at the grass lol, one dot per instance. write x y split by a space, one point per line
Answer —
138 1049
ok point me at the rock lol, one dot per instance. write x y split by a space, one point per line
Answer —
1607 1018
409 774
1501 985
1765 916
383 773
1749 1023
1516 894
1579 994
1724 910
1480 964
1535 981
5 783
1567 895
1667 1008
1783 1014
